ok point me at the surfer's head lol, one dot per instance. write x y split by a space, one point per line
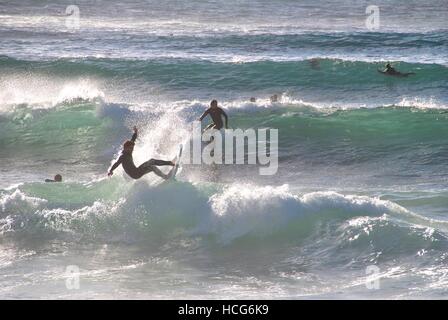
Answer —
214 103
58 178
128 146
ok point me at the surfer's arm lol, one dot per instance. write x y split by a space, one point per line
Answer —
204 115
134 136
115 165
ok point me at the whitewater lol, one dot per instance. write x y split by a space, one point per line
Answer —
362 177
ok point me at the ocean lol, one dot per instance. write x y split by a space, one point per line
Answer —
358 208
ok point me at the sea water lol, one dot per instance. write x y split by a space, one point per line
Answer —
357 209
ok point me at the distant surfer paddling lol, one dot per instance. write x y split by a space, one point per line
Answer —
216 113
129 167
391 71
57 178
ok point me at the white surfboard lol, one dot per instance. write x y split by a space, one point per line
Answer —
173 172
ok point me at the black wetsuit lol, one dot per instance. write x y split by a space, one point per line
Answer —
390 70
129 167
215 114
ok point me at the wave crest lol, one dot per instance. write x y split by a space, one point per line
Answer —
226 215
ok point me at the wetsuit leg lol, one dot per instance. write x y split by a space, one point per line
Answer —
159 173
150 166
210 126
156 162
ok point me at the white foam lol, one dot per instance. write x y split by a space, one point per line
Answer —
40 92
246 209
420 103
17 202
225 212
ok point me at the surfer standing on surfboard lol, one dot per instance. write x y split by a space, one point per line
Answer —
129 167
216 113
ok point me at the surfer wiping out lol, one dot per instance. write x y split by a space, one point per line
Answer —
129 167
216 113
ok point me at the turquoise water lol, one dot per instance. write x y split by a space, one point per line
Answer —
362 157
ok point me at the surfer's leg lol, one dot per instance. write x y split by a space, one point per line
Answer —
150 166
146 168
160 173
157 162
210 126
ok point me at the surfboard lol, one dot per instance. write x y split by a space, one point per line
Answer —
173 172
398 74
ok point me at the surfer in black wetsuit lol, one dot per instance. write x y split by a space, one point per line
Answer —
57 178
393 72
390 70
128 163
216 113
